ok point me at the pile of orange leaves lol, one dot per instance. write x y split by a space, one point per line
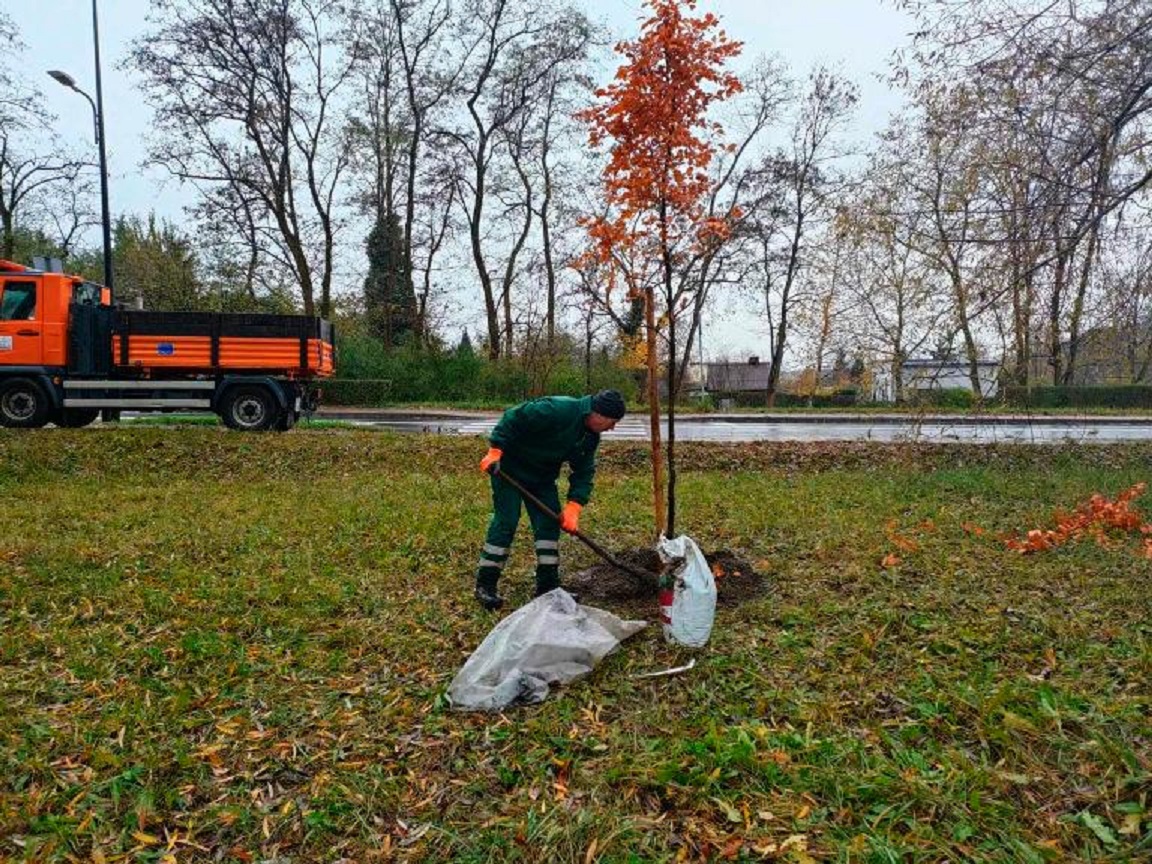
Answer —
1106 521
1098 518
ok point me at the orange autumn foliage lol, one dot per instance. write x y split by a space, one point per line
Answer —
654 114
1098 519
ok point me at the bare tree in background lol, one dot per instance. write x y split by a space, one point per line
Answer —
793 200
14 92
249 98
1129 285
752 114
1061 95
545 207
37 191
891 287
514 49
39 182
409 71
948 190
430 73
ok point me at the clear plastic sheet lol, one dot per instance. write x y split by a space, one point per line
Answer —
552 640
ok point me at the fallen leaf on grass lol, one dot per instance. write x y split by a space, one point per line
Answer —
732 849
730 812
904 544
1131 824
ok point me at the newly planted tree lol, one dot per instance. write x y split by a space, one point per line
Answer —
657 184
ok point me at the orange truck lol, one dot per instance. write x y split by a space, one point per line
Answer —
67 353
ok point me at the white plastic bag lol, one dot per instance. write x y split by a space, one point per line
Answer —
688 603
552 640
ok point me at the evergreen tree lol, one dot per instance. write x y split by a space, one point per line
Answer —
389 298
464 348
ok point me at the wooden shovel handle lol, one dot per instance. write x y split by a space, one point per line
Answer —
579 535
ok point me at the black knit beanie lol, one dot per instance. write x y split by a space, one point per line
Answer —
608 403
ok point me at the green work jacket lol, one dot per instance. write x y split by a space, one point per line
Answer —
539 436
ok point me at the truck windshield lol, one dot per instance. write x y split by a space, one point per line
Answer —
87 293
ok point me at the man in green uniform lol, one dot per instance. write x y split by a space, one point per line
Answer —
531 443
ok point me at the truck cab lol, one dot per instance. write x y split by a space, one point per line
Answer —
34 313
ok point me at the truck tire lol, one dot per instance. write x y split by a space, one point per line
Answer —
23 404
249 409
75 418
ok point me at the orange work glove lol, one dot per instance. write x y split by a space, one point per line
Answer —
570 517
491 458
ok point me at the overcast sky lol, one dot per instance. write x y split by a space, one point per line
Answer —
857 35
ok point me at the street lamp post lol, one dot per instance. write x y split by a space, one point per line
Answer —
98 119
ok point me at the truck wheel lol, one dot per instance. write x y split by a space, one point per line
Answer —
75 418
23 404
249 409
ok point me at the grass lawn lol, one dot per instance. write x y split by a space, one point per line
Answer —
227 647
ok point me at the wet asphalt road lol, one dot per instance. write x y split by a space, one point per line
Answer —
798 427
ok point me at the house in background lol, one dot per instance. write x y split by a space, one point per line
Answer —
949 374
732 379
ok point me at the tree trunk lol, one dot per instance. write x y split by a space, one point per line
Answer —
588 352
490 307
1055 349
693 334
549 270
789 280
1021 320
669 299
546 224
8 244
1077 313
654 409
777 360
972 354
513 255
1103 174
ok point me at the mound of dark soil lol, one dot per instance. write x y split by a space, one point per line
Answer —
603 584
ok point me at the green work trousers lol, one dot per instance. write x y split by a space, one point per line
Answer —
506 505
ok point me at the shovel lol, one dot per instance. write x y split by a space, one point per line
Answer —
640 575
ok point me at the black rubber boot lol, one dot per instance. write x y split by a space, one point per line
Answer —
488 597
547 578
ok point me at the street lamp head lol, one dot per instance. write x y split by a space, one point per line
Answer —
63 77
